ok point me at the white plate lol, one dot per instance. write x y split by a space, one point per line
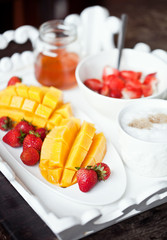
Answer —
103 193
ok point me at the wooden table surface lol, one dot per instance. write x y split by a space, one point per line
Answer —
147 23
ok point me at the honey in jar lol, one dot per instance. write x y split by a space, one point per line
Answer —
56 55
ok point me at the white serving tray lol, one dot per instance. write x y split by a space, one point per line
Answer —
66 217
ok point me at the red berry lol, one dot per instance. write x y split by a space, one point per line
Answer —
132 94
13 138
105 91
103 171
150 78
30 156
130 75
133 89
13 80
24 126
32 140
116 94
108 70
42 132
86 178
6 123
115 83
93 84
147 90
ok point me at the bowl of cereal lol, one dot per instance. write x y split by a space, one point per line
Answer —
141 76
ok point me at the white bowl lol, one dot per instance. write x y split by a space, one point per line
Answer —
92 67
143 150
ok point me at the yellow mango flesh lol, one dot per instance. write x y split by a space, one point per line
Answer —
22 90
53 98
68 146
5 100
16 102
11 90
97 150
43 106
35 93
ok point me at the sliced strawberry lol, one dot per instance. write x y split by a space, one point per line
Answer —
30 156
108 70
133 85
116 94
115 83
105 91
149 84
94 84
108 79
131 93
147 90
132 75
150 78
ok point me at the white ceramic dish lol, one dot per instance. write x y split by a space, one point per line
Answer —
92 67
103 193
140 149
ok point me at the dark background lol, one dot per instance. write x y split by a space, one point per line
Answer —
147 19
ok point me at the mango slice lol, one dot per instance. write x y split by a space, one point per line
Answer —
43 106
81 146
97 150
67 146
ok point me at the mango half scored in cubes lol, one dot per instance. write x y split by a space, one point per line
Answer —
68 146
43 106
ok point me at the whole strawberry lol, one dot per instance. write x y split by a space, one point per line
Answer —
30 156
13 80
86 178
14 138
32 140
24 126
42 132
89 176
6 123
103 171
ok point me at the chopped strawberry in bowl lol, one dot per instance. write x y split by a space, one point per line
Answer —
123 84
141 75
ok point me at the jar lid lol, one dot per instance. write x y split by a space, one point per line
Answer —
57 33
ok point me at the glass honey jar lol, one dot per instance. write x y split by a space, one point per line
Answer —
56 54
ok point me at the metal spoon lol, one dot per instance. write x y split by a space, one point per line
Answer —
121 38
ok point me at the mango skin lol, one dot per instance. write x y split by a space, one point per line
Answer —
68 146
